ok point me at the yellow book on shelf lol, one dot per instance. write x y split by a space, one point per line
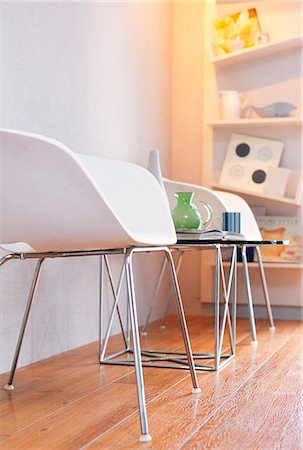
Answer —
281 227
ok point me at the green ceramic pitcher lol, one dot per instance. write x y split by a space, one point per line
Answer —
186 214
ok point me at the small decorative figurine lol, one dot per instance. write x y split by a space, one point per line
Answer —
279 109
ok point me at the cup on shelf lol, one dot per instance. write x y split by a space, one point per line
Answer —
231 221
232 104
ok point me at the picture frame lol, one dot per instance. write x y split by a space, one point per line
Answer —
235 31
247 161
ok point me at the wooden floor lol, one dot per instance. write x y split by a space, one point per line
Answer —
70 402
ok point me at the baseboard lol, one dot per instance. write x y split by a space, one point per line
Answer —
279 312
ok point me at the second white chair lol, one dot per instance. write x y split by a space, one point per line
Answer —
220 202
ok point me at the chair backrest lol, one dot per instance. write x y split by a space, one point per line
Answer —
219 202
53 199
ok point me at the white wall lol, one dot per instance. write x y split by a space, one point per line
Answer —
187 120
97 77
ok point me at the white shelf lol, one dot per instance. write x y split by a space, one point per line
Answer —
256 122
234 1
271 265
288 201
259 51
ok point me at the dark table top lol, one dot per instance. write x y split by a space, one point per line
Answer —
226 242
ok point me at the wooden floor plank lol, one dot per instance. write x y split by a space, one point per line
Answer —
183 413
60 380
50 368
64 363
82 421
70 402
257 414
292 437
50 398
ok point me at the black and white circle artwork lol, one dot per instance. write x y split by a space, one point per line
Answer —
247 161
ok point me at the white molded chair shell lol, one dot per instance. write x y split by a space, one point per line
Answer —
219 202
54 199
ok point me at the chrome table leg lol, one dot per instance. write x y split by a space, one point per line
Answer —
227 287
116 295
249 295
178 265
181 315
234 304
265 288
217 308
155 294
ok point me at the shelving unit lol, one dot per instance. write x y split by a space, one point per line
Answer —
270 265
255 122
256 195
266 73
259 51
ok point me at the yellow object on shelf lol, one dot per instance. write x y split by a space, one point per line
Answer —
281 228
236 31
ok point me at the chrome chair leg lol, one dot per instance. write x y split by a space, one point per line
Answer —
9 386
265 288
101 307
150 355
178 265
249 295
182 320
155 294
145 436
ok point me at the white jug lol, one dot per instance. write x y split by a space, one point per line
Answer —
232 104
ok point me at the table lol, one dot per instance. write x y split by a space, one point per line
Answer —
225 288
228 282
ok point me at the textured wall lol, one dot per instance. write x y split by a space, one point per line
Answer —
95 76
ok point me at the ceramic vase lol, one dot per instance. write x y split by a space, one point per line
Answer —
186 214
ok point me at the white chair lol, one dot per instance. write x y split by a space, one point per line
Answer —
220 202
56 204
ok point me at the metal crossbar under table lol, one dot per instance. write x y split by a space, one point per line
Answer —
225 294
